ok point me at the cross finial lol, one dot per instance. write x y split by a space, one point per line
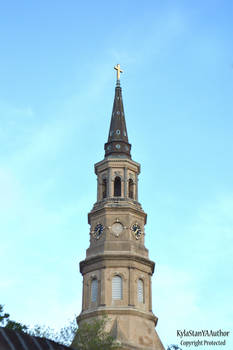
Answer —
119 71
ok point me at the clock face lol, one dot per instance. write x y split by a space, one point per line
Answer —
117 228
98 230
136 230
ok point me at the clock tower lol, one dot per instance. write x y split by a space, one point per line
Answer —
117 270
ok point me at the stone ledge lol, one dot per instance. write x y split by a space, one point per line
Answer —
119 311
106 162
95 259
114 207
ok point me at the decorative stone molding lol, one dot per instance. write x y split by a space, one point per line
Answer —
118 311
119 257
93 276
118 273
140 277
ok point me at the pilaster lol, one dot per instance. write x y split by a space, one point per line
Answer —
103 287
131 286
150 294
125 182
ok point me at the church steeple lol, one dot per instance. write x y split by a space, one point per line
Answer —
118 144
117 270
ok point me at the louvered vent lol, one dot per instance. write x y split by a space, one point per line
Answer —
94 290
140 291
117 287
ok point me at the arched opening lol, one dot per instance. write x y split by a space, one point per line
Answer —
117 187
104 188
140 291
117 287
94 289
130 188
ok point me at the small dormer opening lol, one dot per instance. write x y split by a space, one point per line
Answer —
117 186
131 194
104 188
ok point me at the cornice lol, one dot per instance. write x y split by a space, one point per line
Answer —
116 311
110 257
108 161
116 205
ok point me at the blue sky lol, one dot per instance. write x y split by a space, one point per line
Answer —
56 95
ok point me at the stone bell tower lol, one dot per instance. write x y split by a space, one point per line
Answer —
117 270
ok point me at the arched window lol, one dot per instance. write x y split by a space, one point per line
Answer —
130 188
140 291
117 287
94 289
104 188
117 186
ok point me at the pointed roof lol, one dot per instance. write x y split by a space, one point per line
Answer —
118 144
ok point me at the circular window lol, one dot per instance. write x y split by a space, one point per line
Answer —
118 132
118 112
118 146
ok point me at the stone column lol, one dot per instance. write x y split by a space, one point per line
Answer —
150 296
136 187
125 182
110 186
83 304
131 286
99 292
108 182
102 287
86 294
98 188
122 185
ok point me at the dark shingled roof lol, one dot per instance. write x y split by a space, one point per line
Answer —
12 340
118 144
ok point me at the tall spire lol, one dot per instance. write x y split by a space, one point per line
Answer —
118 144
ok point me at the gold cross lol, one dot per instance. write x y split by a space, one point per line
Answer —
119 71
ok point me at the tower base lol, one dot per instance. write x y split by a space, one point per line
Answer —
131 330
